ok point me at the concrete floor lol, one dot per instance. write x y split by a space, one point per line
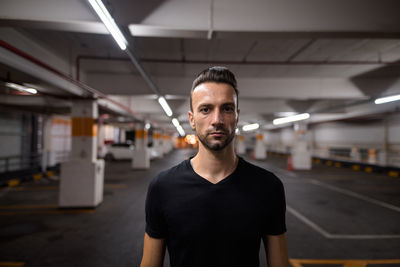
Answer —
334 215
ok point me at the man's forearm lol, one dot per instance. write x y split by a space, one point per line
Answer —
276 250
153 252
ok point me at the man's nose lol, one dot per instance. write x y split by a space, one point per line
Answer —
217 118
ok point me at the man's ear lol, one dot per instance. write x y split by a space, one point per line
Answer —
237 118
191 120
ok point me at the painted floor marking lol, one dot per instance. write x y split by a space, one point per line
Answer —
344 263
44 212
38 209
345 192
328 235
356 195
11 264
24 207
50 188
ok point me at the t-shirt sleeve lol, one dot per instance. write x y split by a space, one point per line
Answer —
155 221
276 224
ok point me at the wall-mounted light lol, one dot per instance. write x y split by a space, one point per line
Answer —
165 106
21 88
109 22
250 127
387 99
297 117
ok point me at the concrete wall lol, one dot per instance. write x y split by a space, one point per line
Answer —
376 134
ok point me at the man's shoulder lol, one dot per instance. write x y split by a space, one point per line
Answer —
166 177
259 173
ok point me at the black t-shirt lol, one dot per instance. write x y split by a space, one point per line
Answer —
206 224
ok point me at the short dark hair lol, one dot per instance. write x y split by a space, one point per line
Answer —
215 74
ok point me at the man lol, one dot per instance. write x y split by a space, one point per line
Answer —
214 209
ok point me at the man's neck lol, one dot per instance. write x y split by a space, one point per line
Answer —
215 165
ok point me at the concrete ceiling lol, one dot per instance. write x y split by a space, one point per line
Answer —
288 55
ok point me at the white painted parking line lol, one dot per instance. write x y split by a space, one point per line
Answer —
343 191
328 235
356 195
305 220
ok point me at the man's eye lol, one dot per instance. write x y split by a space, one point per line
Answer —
204 110
228 109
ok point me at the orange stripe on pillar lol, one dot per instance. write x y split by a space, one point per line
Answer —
84 127
259 137
140 134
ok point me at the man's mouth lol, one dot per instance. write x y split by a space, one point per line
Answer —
217 134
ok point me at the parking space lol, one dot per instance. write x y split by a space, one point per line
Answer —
331 221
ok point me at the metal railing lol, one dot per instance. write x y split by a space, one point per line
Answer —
19 162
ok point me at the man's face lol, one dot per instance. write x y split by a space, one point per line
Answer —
215 114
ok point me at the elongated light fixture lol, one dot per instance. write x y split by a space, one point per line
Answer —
297 117
175 122
179 128
165 106
21 88
109 22
387 99
250 127
181 131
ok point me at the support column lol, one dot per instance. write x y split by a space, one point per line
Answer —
301 152
259 151
241 148
372 158
383 153
157 144
166 145
82 177
355 154
46 143
141 154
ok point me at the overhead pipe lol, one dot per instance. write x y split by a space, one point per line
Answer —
78 83
226 62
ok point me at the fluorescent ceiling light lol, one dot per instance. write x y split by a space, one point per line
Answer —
250 127
175 122
109 22
181 131
165 106
21 88
387 99
285 114
298 117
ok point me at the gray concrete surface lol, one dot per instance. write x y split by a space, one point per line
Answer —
333 213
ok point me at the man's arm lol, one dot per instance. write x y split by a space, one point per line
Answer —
153 252
276 250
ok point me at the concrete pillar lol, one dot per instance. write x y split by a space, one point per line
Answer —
46 143
383 155
372 156
82 177
240 148
355 154
301 152
259 151
166 144
141 154
157 144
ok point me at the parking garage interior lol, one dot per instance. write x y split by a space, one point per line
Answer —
89 116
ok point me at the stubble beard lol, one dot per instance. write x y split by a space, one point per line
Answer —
216 146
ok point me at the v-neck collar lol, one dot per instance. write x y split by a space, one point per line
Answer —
204 180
